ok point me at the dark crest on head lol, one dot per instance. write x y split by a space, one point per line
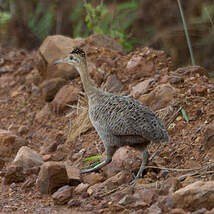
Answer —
78 51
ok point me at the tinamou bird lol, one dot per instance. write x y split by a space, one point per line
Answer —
118 120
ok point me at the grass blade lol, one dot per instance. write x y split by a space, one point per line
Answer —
92 158
91 165
184 115
186 33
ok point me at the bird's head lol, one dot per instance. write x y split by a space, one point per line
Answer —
76 58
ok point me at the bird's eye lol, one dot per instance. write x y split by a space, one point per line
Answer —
71 57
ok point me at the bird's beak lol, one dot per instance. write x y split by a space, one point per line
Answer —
61 61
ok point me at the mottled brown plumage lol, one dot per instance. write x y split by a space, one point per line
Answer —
118 120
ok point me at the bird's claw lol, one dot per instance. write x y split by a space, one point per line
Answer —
136 178
132 183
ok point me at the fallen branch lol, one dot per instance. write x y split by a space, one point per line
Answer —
174 116
183 170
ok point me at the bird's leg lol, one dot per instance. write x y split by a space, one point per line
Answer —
110 151
145 154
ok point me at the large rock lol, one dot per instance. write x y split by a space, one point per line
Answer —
93 178
14 174
147 195
62 195
27 158
110 184
10 144
58 46
194 196
52 49
136 198
123 159
145 63
52 176
141 88
81 188
102 41
160 97
50 87
138 63
113 84
68 94
73 175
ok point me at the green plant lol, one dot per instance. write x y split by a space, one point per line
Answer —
4 17
97 157
41 23
186 32
94 17
77 19
184 115
92 158
115 24
205 18
207 12
91 165
4 20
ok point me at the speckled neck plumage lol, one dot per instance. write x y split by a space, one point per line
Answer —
87 82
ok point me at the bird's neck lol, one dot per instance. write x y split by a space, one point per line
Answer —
88 85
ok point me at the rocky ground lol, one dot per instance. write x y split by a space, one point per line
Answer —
45 133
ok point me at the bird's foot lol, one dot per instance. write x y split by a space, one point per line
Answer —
136 178
97 167
84 172
88 171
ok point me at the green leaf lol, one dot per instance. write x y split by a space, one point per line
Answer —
184 115
77 30
91 165
89 25
77 13
39 24
127 46
97 29
127 6
4 17
98 8
92 158
87 18
88 7
103 12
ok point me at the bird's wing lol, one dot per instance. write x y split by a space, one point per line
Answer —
121 115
